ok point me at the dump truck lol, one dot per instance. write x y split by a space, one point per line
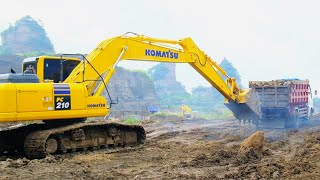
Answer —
284 103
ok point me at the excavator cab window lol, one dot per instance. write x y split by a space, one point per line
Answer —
30 67
58 70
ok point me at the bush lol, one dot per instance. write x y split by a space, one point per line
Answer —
160 114
222 113
131 120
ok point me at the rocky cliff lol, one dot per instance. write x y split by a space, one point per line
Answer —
135 91
169 91
164 78
25 36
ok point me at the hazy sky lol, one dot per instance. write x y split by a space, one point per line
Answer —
263 39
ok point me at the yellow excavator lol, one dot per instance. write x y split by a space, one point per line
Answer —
62 92
186 111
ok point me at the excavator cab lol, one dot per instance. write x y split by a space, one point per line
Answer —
50 68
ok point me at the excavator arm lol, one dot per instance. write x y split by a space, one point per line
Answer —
99 66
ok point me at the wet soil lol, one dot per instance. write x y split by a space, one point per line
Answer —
190 149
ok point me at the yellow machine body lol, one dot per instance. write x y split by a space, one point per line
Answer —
48 101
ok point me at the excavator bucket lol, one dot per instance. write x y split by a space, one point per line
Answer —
250 110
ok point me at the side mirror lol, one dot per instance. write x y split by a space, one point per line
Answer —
315 92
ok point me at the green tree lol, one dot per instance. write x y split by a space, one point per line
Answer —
158 72
231 70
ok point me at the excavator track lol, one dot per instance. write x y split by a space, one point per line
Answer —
37 141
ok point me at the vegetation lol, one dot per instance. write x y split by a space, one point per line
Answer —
231 70
158 72
217 113
166 114
174 100
169 92
142 72
32 54
131 120
202 99
160 114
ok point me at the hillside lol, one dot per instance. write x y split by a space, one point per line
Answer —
208 98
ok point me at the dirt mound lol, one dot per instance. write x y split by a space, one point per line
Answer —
252 148
254 142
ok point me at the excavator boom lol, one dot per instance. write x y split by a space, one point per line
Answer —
101 62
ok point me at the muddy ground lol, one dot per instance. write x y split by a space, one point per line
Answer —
193 149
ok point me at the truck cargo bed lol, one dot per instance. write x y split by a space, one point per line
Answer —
283 102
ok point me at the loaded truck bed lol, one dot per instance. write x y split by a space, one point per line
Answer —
284 103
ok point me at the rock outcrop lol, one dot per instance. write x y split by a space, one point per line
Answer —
169 91
24 37
164 78
135 91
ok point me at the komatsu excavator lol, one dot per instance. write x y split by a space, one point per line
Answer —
186 112
63 92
